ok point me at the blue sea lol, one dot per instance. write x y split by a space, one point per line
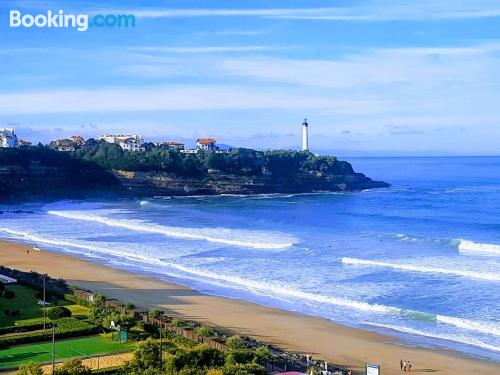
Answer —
419 260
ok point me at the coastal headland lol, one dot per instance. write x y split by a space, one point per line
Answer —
347 347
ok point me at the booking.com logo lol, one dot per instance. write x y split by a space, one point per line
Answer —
59 19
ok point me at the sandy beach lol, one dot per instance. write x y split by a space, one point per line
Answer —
347 347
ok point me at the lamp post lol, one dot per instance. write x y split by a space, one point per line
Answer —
160 316
44 310
53 348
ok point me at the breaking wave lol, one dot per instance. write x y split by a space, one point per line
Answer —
421 269
260 287
471 325
461 340
234 237
466 246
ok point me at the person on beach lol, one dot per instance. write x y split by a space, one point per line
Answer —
409 366
404 366
401 364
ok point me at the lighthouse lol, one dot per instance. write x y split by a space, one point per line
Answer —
305 136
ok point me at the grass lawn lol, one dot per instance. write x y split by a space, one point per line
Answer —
42 352
24 301
30 312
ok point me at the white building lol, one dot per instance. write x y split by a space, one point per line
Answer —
132 145
206 144
128 142
8 138
305 136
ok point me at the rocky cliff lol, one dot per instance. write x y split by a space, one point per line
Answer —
39 173
161 184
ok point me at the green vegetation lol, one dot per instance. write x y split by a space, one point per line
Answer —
65 328
204 331
73 367
24 302
42 352
243 162
29 368
58 312
51 173
196 360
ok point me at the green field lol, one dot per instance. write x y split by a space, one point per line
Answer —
42 352
24 301
29 311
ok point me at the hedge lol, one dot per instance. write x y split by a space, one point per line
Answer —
26 328
76 300
66 328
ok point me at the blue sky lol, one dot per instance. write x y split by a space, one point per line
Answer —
379 77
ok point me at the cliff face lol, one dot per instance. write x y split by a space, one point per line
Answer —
40 174
157 183
34 181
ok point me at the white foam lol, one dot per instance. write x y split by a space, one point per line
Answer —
488 328
422 269
277 290
64 244
251 285
466 246
459 339
234 237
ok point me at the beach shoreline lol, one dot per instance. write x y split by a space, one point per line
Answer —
346 347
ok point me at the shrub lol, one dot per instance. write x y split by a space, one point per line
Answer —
153 313
14 313
129 306
76 300
177 323
262 355
58 312
235 343
147 355
248 369
200 357
204 331
240 356
9 294
73 367
66 328
29 368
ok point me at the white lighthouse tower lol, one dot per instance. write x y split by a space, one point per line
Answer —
305 136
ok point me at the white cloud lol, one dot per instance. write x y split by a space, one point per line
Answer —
382 10
172 98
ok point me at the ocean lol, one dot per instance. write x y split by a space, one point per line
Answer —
418 261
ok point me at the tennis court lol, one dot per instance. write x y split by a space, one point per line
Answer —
42 352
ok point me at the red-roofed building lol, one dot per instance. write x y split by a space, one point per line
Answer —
206 144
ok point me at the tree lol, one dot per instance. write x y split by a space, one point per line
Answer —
235 343
29 368
129 306
98 310
58 312
262 355
147 355
73 367
247 369
153 313
200 357
204 331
